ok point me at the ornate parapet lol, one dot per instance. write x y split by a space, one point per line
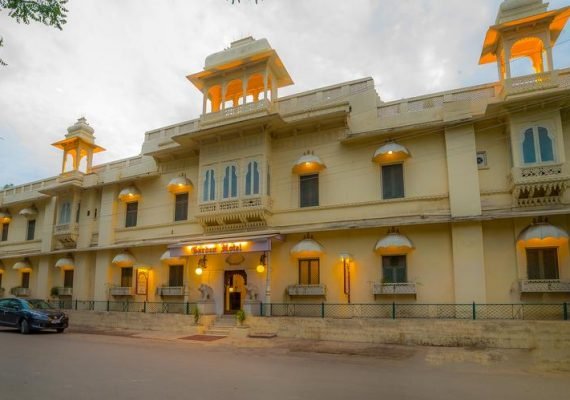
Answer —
67 234
307 290
171 291
236 214
544 286
393 288
538 185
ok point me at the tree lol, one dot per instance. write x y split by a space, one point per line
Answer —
48 12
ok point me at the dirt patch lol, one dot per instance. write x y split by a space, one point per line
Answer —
388 352
203 338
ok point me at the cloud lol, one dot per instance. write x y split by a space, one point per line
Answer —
123 64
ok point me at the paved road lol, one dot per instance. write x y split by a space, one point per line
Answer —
85 366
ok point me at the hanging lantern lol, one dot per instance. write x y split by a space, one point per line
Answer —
390 152
308 163
129 194
393 244
262 263
180 184
5 217
202 265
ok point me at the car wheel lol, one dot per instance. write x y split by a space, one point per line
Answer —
24 327
60 330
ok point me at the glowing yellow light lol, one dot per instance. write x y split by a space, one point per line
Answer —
199 271
260 268
390 152
210 246
231 289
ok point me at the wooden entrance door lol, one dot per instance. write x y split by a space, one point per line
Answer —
234 290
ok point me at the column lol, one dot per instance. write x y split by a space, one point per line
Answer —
48 224
265 74
81 276
43 281
224 91
267 309
244 88
103 275
204 100
107 215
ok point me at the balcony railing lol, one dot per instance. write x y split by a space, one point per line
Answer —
242 110
307 290
64 291
2 290
544 286
539 185
531 83
243 213
394 288
171 291
121 291
20 292
67 234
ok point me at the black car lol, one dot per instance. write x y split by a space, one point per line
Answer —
27 315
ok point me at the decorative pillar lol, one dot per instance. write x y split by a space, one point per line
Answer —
205 100
224 91
42 290
267 309
265 84
508 61
244 88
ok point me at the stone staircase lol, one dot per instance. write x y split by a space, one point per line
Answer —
222 326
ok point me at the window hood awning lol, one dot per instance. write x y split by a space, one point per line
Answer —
308 163
169 259
542 234
124 259
393 244
390 152
23 265
180 184
307 248
65 263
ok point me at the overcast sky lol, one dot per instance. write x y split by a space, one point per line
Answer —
122 64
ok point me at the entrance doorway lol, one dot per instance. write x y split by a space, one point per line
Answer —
234 290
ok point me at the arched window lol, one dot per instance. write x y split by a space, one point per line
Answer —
537 145
209 186
65 213
230 182
252 178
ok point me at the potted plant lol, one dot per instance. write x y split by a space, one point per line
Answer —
196 314
240 316
54 292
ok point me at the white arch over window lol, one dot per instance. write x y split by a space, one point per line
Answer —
229 189
537 145
252 179
209 192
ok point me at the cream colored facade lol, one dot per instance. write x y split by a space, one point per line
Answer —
444 187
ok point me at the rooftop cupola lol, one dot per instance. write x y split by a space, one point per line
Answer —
249 71
79 144
524 28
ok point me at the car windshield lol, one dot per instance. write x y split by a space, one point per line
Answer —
38 305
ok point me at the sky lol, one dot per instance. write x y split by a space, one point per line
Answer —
123 64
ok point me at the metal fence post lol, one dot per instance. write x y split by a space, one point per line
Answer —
144 306
260 309
565 307
474 311
322 310
187 308
76 304
107 305
393 310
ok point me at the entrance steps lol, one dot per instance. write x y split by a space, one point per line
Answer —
222 326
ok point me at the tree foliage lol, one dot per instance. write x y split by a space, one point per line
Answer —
48 12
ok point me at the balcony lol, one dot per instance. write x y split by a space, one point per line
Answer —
307 290
246 213
67 234
121 291
538 185
243 111
544 286
171 291
394 289
20 292
531 83
64 291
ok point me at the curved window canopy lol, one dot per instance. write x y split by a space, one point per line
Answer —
129 194
65 263
542 234
394 243
29 212
308 163
390 152
307 248
124 259
23 265
5 217
180 184
168 259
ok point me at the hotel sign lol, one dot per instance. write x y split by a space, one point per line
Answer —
220 248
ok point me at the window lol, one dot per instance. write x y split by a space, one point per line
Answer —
25 280
5 232
181 207
537 145
392 181
209 186
176 275
542 263
309 190
309 271
394 269
65 213
252 179
78 213
31 229
68 278
127 277
230 182
131 217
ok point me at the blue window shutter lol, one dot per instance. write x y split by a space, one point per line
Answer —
546 148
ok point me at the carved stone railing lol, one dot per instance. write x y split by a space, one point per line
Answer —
64 291
67 234
75 177
531 83
394 288
243 110
243 213
544 286
307 290
20 292
171 290
121 291
538 185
